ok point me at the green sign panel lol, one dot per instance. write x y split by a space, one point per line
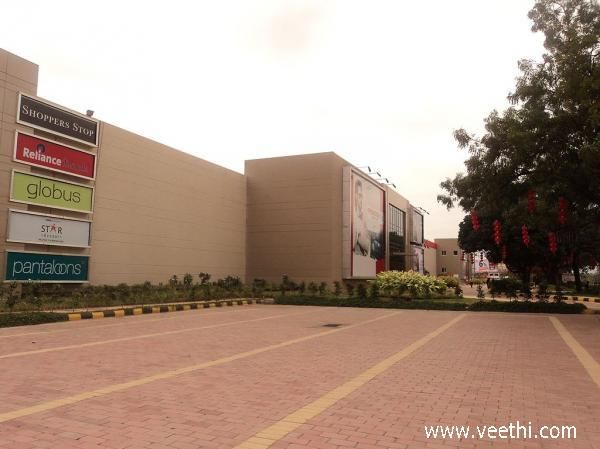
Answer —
34 189
46 267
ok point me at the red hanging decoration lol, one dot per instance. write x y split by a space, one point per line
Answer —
525 235
531 201
504 252
474 221
497 232
552 243
562 210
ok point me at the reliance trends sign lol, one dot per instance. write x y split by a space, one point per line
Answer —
40 190
32 150
46 116
30 227
46 267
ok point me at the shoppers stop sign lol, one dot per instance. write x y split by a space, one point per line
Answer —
32 150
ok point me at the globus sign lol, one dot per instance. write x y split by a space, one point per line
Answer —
43 191
24 266
43 153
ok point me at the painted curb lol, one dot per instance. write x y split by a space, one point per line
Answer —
163 308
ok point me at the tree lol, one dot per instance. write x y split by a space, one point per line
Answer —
547 144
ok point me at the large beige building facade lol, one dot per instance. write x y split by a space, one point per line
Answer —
144 211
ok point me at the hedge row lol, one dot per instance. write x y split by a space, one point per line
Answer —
480 306
299 300
526 307
25 319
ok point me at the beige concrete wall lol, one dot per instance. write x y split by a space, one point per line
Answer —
157 211
431 261
295 218
452 263
160 212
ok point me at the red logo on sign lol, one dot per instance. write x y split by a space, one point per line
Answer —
43 153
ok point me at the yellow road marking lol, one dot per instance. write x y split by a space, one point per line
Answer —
280 429
585 358
50 405
150 319
139 337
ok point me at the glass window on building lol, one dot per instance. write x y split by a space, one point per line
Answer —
396 235
443 252
444 270
417 228
455 253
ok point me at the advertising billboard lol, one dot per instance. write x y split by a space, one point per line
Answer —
418 259
31 227
24 266
42 114
482 264
43 191
368 221
43 153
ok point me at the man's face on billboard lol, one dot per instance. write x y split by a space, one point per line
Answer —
358 197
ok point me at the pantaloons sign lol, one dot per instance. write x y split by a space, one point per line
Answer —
46 116
30 227
46 267
40 190
43 153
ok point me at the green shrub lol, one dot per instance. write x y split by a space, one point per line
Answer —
173 281
302 287
373 290
361 291
322 288
396 283
350 288
28 318
333 301
312 288
450 281
337 288
187 280
230 283
526 307
480 292
480 306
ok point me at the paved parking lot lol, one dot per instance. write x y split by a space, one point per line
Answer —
302 377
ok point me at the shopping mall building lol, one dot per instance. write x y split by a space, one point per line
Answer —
85 201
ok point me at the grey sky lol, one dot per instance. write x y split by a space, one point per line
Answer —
382 83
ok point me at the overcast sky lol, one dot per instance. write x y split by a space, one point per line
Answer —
381 82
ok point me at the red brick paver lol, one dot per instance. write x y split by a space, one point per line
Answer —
487 369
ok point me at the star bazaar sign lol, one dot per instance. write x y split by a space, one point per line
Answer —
43 191
45 267
43 153
42 114
31 227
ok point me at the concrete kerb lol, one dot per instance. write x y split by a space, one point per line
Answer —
162 308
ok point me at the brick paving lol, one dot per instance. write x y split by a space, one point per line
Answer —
487 369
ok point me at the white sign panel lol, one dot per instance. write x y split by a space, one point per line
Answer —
29 227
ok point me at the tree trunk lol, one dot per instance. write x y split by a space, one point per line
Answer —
576 272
